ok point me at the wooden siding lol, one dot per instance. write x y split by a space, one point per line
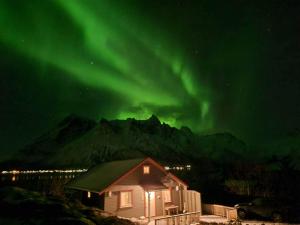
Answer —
220 210
112 203
175 197
192 201
180 219
138 182
159 203
153 178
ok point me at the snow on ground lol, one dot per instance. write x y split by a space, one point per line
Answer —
256 222
218 219
213 219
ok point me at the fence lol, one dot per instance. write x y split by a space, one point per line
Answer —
180 219
220 210
192 201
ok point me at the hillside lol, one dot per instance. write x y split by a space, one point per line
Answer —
20 206
287 148
78 141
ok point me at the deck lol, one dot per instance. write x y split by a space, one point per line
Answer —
182 219
179 219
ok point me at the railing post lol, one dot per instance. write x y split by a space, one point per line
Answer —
180 219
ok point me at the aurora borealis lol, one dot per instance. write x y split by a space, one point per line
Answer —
208 65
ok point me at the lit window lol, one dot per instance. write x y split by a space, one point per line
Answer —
146 169
108 194
89 194
167 195
125 199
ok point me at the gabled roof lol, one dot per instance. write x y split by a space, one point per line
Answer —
101 177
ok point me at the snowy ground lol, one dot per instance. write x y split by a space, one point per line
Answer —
215 219
218 219
254 222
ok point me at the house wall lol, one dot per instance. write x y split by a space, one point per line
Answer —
112 203
154 178
137 177
135 182
192 201
159 203
175 196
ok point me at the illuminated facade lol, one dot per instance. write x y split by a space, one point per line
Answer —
135 188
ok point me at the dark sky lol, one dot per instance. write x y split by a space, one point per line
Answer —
211 65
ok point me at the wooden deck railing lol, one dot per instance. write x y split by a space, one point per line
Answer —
220 210
179 219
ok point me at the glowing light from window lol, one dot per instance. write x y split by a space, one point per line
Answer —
146 169
125 199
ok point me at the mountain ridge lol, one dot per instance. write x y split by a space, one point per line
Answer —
78 141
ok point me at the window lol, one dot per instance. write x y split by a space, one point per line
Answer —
125 199
108 194
146 169
167 195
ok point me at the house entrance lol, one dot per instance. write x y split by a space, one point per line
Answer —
150 203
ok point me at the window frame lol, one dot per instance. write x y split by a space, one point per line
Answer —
120 199
146 169
169 200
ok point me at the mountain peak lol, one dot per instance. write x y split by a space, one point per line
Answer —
154 120
80 141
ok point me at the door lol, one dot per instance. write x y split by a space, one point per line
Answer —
150 202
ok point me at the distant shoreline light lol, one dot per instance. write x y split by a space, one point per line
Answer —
43 171
179 167
185 167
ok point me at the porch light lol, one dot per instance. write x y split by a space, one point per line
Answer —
89 194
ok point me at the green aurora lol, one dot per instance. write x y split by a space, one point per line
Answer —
115 54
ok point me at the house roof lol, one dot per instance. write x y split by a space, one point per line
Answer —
101 177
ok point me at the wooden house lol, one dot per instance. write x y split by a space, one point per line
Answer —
136 188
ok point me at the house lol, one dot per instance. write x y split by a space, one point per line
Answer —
135 188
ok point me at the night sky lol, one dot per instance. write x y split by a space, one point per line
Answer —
210 65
